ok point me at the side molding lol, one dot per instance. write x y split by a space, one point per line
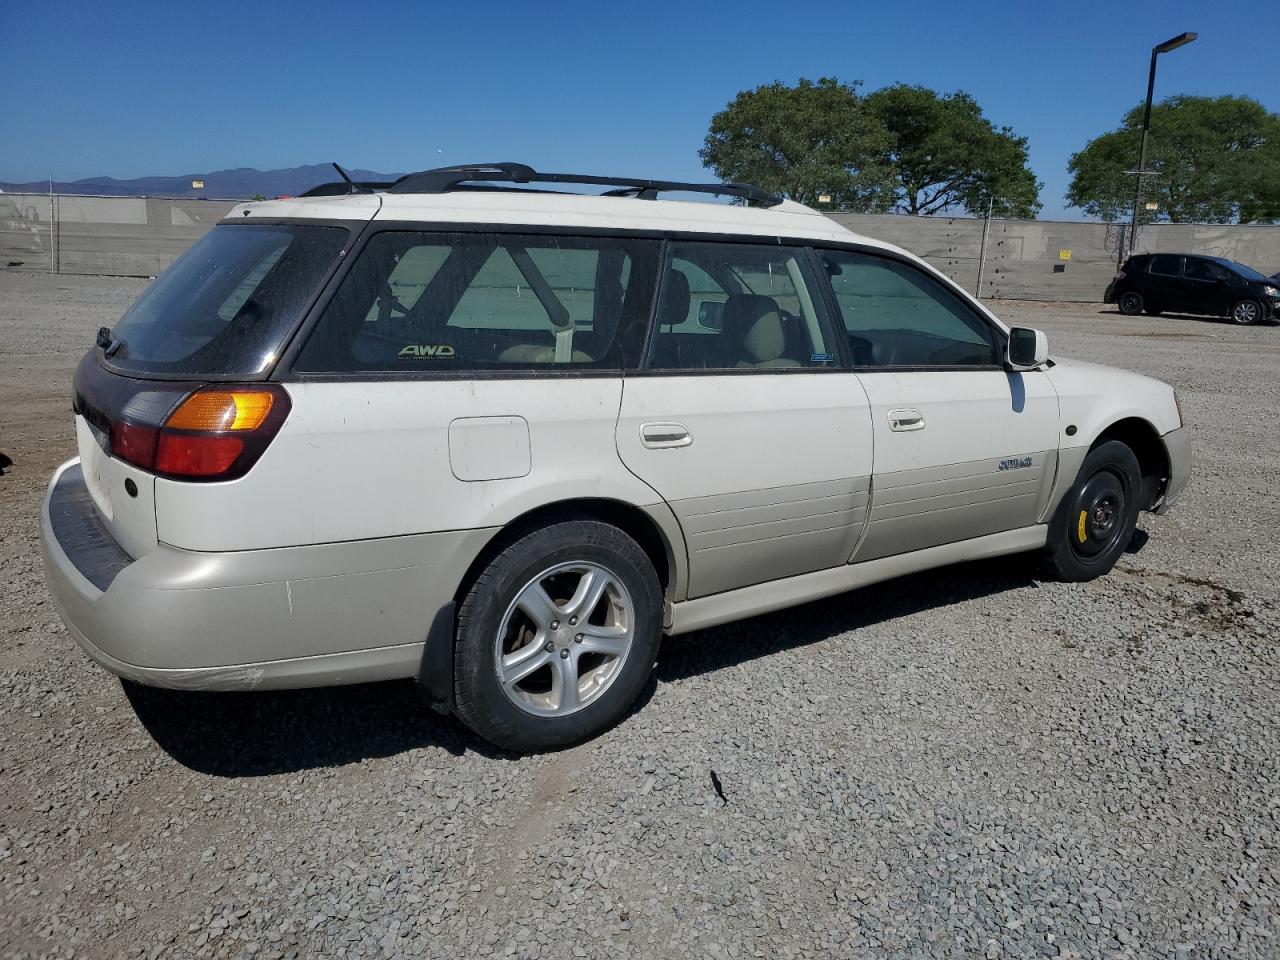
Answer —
751 601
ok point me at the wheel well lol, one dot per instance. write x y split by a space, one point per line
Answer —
631 520
1141 437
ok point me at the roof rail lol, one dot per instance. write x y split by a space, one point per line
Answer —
472 176
346 185
340 188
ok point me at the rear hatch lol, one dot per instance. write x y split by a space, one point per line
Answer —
221 314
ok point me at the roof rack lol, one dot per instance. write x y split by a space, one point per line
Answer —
474 176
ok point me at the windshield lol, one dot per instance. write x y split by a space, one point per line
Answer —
224 308
1247 272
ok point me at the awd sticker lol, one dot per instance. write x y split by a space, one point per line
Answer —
1016 463
428 351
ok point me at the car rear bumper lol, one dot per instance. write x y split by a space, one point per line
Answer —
1177 446
288 617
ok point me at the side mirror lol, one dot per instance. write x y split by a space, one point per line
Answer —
1028 348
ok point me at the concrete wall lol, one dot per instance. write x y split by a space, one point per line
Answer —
134 236
114 236
1051 260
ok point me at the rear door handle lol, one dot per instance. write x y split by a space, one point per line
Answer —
903 421
664 436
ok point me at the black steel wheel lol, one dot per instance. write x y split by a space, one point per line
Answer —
1096 518
1130 303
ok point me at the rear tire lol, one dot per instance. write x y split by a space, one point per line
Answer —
1246 312
1130 303
557 636
1096 519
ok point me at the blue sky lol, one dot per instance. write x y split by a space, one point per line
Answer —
134 89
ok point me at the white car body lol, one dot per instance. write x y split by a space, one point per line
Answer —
330 560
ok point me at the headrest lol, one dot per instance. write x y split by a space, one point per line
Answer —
753 320
673 308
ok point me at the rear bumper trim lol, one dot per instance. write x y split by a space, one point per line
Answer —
297 616
76 526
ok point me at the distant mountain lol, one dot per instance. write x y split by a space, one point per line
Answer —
238 184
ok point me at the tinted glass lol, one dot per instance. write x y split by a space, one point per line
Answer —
896 315
225 306
1197 269
1245 271
739 306
1165 265
433 301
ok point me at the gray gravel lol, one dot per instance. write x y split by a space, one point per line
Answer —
967 763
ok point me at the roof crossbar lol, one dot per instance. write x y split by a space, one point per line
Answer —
468 176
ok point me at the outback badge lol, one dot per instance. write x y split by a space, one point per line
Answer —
1016 463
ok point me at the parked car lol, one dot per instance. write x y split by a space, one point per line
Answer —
1188 283
502 440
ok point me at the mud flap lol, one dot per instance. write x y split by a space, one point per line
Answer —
435 675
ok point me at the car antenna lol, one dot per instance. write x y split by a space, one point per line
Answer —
351 185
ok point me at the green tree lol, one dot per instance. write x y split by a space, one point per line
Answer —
944 154
802 141
1216 160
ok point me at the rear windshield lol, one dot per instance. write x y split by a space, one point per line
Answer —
224 308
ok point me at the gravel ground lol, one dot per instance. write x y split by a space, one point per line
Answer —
966 763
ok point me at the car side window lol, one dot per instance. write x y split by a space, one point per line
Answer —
731 306
1165 265
896 315
1197 269
417 301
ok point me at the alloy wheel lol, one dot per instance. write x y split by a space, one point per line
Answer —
1246 311
564 639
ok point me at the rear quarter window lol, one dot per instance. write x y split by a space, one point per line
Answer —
423 302
225 307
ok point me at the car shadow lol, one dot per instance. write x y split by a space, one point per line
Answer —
255 734
1174 315
732 644
5 463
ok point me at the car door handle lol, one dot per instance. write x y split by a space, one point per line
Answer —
903 421
663 436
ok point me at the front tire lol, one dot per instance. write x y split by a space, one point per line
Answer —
557 636
1130 303
1246 312
1096 519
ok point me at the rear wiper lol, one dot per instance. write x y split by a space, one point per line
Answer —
108 343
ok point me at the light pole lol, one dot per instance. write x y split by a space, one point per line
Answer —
1181 40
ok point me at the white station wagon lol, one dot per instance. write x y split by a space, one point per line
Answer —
501 438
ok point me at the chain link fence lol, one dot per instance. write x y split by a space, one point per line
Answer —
1014 259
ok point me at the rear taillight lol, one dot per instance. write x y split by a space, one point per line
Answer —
135 443
215 433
